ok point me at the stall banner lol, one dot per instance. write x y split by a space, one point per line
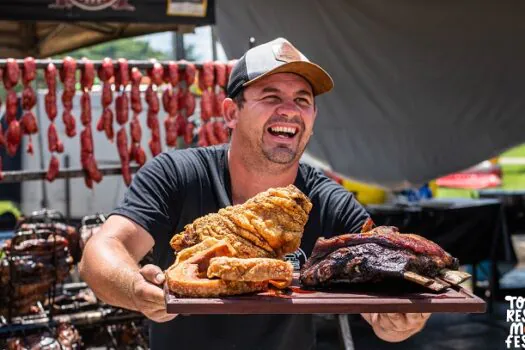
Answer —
93 5
196 8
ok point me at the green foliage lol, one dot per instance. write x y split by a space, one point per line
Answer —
129 48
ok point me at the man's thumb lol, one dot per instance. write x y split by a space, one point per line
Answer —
152 273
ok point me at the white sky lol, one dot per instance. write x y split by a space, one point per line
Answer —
201 39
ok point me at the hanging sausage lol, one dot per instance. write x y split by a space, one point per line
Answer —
155 75
87 79
105 122
13 134
136 151
67 76
170 102
122 114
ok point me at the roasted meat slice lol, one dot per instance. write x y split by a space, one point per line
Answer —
187 253
189 277
250 270
269 224
209 269
379 254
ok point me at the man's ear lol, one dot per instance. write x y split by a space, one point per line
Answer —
231 112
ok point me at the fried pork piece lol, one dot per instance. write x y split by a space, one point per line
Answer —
189 277
269 224
187 253
250 270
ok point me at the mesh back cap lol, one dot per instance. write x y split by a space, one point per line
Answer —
276 56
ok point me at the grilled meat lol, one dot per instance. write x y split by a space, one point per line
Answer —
379 254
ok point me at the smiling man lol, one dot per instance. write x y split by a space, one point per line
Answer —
271 112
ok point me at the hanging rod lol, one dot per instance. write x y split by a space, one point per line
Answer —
32 175
141 64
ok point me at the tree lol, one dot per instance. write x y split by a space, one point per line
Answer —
129 48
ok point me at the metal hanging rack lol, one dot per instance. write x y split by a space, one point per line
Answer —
141 64
34 175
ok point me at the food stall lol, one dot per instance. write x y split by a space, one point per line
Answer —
51 118
124 85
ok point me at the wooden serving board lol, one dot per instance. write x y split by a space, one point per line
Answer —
298 301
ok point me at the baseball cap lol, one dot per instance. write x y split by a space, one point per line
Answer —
276 56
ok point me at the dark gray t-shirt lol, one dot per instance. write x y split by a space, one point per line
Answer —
179 186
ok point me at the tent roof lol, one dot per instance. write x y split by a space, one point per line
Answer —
42 28
44 39
422 89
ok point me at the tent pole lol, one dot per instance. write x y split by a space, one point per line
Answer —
214 42
178 46
44 199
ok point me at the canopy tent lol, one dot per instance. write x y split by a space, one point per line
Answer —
422 88
42 28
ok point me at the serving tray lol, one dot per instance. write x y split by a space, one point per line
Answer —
296 300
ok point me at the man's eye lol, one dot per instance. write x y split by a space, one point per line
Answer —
303 100
272 98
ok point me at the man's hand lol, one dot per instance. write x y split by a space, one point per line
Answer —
148 297
396 327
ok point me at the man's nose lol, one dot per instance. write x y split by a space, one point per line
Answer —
288 109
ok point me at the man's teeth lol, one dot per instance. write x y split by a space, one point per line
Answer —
288 130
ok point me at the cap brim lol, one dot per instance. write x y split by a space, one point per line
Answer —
320 80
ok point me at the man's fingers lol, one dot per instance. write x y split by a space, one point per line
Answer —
160 317
154 294
393 321
368 318
149 293
395 317
152 273
416 319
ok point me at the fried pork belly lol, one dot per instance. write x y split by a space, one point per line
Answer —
250 270
190 276
269 225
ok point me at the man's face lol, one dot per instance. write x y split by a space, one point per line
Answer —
277 117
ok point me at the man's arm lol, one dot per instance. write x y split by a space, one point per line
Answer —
110 267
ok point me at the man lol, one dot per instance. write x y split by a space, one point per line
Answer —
271 111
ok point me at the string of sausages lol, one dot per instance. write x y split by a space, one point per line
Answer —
172 81
54 144
87 158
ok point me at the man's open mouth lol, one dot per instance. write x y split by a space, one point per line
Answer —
283 131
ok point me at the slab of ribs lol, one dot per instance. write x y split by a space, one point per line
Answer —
380 254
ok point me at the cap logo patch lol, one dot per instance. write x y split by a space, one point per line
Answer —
286 52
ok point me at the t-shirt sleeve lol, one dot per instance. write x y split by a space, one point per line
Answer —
151 198
340 210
